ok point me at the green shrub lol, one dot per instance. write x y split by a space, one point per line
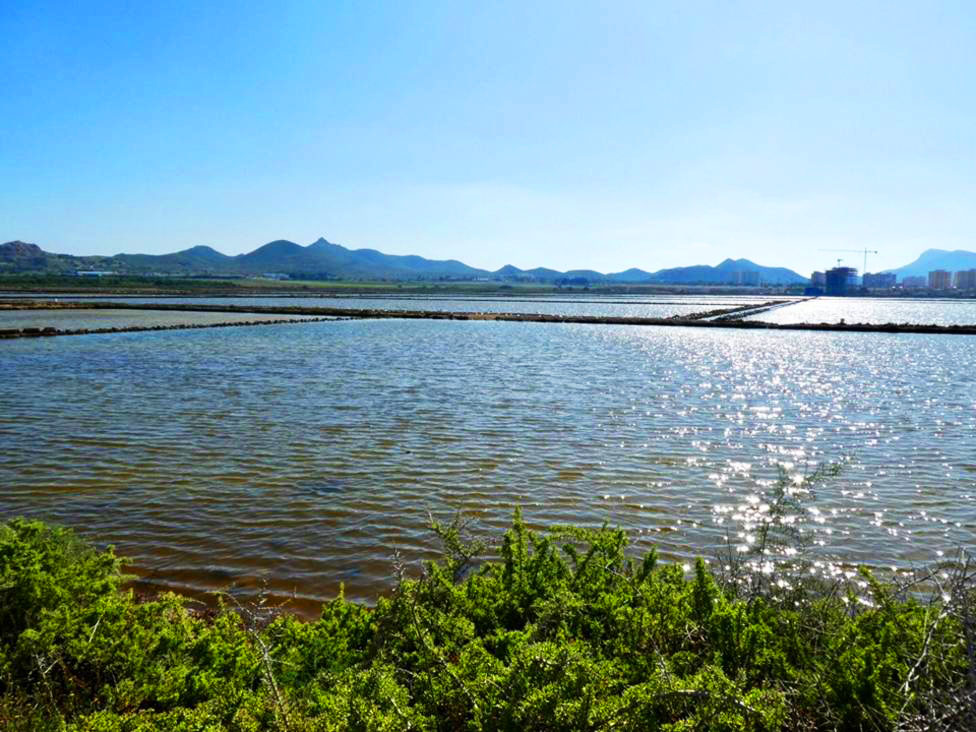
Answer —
557 631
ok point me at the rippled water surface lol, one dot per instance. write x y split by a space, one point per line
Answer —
874 310
302 455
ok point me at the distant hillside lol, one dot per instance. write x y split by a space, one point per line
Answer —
20 256
631 275
20 252
729 271
324 260
321 260
932 259
199 258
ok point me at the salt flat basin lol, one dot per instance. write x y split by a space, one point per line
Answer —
877 311
664 306
80 319
303 455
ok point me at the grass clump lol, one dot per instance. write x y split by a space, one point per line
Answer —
561 630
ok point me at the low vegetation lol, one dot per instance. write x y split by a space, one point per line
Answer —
562 630
121 284
203 285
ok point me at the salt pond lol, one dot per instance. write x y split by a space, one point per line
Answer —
302 455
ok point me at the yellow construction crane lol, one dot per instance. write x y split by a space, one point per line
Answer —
865 252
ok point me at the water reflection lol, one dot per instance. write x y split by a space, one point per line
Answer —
878 311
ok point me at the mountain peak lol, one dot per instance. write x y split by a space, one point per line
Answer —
17 249
932 259
279 245
323 243
200 249
736 263
200 254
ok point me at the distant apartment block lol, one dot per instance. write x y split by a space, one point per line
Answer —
940 279
841 280
879 281
818 283
966 280
910 283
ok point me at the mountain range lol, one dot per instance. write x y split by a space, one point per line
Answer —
324 260
933 259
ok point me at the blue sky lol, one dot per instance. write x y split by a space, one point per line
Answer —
560 134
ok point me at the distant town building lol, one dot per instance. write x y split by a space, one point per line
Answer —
914 282
818 283
966 280
94 273
940 279
879 281
840 280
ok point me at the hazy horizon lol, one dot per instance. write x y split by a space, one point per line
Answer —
648 135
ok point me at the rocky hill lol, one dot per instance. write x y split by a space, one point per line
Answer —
932 259
19 256
323 259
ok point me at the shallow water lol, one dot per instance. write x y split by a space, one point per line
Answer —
874 310
301 456
621 306
106 318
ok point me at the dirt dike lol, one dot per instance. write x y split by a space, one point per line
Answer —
8 333
694 321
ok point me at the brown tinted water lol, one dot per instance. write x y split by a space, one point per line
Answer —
301 456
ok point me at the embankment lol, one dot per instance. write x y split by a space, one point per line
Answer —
7 333
697 320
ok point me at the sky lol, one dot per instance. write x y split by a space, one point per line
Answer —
559 134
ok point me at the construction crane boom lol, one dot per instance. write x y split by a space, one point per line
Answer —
865 252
